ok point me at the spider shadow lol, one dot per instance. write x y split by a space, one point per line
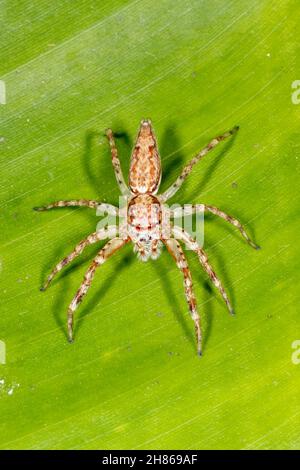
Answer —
169 146
93 176
60 253
233 231
183 317
220 260
179 315
92 302
104 166
221 271
124 143
206 313
90 305
212 167
211 217
90 140
61 301
172 157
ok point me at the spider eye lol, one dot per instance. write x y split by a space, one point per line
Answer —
145 122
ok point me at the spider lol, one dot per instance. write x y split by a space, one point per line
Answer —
145 210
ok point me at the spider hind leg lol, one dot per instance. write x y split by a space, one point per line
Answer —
177 253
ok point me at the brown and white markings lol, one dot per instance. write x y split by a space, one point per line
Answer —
148 224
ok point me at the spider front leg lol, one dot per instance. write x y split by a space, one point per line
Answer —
109 208
108 250
188 168
180 234
176 251
199 208
108 232
116 163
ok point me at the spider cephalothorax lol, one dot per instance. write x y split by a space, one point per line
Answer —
148 220
144 219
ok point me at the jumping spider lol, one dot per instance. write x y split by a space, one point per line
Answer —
144 214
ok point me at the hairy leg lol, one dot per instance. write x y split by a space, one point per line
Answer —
93 238
198 208
176 251
188 168
109 249
180 234
80 203
116 163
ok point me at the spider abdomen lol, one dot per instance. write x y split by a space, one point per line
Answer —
145 166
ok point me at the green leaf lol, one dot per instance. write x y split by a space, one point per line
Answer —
132 378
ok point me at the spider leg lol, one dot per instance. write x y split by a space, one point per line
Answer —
108 250
193 245
188 168
176 251
112 210
93 238
194 209
116 163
